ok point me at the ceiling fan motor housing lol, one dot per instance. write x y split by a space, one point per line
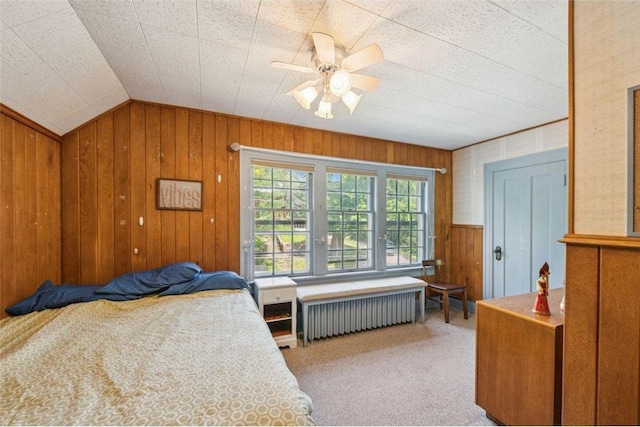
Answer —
321 66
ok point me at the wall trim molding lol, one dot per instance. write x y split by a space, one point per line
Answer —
29 123
593 240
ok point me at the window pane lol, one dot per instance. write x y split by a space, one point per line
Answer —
281 221
349 220
406 213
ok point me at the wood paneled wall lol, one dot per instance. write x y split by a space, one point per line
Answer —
601 332
30 210
108 182
466 258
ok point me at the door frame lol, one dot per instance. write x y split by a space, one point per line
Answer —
556 155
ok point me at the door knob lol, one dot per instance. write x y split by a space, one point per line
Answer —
498 252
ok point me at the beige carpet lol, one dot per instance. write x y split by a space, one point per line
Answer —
410 374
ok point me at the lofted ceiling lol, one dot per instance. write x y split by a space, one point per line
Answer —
455 72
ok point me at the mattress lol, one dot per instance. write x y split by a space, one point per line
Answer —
205 358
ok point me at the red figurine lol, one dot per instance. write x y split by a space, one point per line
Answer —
541 305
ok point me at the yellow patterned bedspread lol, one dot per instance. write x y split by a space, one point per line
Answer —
200 359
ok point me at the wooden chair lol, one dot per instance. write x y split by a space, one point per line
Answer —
443 289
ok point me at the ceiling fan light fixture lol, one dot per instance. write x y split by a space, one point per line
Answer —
305 96
340 83
351 100
324 110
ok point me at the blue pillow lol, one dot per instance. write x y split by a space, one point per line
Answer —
150 281
208 281
49 296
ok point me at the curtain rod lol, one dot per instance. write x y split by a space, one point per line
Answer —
237 147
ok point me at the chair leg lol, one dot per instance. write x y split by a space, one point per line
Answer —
464 304
445 296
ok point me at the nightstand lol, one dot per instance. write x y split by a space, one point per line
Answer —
276 299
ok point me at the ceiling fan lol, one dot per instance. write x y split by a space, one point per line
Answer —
334 75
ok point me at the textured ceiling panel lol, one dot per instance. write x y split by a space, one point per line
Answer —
345 22
123 45
454 72
176 16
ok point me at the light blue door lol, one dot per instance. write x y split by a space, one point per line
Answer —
526 219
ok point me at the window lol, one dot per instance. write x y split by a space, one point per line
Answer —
349 221
281 206
406 220
309 216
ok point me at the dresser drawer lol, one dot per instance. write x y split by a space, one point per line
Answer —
271 296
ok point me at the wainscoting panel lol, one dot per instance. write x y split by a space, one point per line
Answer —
30 211
466 258
110 166
602 331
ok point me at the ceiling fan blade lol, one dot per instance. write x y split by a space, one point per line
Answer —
363 82
304 86
292 67
325 48
363 58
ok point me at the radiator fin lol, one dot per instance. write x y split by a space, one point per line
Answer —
341 317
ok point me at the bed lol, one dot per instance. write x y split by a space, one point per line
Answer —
195 357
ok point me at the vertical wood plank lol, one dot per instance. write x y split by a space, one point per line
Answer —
326 144
168 170
367 149
88 205
477 276
336 142
345 141
379 151
138 188
298 140
46 166
256 134
4 139
121 189
182 172
71 208
153 219
245 132
580 335
20 233
195 174
7 270
317 141
352 148
267 135
222 212
105 199
618 347
636 160
307 144
288 138
54 212
209 192
278 136
233 194
30 279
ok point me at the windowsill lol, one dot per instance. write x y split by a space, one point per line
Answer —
414 271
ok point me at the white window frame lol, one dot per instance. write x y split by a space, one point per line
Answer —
319 165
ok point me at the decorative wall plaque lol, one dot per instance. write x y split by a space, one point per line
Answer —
178 195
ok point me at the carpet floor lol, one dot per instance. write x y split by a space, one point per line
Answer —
409 374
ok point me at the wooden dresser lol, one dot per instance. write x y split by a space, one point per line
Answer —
519 360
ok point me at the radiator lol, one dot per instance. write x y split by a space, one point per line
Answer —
341 317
